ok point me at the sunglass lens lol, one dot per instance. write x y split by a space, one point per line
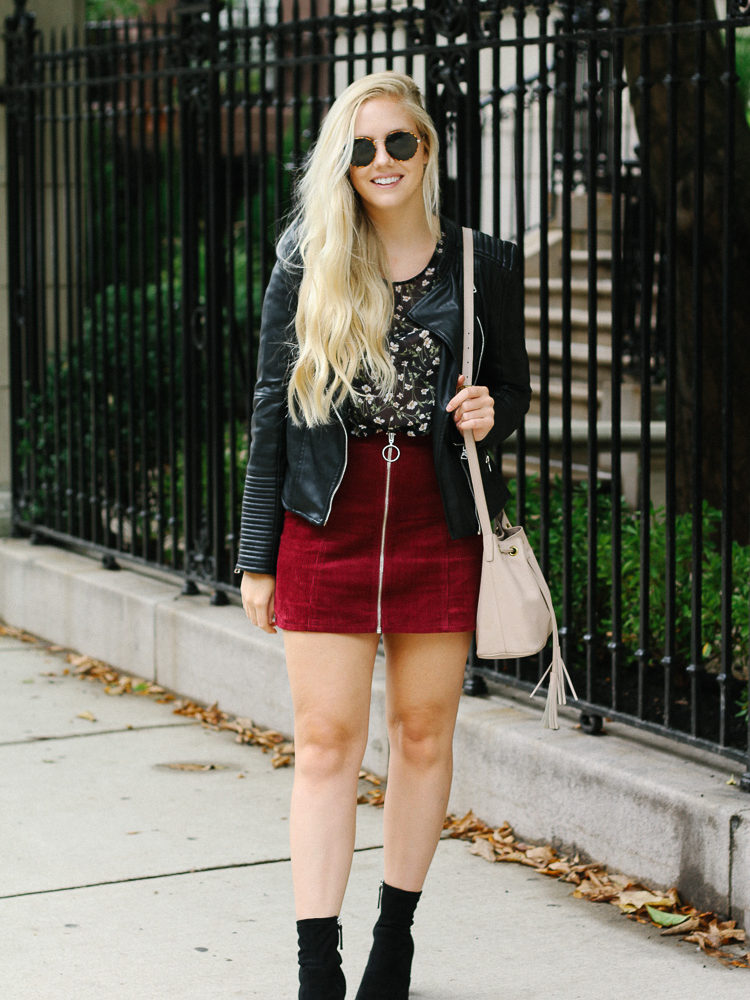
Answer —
363 152
401 145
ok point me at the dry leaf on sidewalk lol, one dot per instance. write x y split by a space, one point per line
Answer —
595 883
484 849
592 880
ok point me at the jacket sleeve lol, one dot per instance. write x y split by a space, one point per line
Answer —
262 513
505 365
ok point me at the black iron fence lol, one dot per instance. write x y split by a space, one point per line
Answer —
149 170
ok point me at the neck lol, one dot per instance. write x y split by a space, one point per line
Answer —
398 231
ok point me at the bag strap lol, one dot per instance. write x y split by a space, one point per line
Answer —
468 363
557 670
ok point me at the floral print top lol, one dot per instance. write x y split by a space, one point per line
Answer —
416 357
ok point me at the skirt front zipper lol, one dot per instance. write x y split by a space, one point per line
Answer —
391 453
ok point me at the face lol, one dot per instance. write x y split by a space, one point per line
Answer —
387 184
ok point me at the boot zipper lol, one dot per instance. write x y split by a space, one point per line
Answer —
391 453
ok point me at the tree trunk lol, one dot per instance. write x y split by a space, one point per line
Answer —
651 108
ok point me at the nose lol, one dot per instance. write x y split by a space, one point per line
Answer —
382 156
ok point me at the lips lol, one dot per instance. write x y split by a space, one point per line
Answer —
387 181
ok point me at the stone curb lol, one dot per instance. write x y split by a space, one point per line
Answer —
659 812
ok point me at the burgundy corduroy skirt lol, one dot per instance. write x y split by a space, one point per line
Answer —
384 561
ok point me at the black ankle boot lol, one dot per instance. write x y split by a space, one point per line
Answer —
388 971
320 975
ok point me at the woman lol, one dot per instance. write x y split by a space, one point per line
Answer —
358 518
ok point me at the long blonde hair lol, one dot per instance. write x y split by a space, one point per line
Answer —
345 303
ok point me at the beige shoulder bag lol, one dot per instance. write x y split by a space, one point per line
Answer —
515 615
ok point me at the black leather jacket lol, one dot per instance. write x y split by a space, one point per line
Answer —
299 468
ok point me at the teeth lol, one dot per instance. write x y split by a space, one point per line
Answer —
386 180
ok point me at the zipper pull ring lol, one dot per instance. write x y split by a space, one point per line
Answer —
391 452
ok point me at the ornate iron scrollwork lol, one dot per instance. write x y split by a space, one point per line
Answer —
200 562
20 33
448 18
195 52
449 70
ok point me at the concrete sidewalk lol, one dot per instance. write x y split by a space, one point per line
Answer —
125 879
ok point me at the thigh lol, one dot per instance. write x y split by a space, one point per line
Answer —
424 676
330 678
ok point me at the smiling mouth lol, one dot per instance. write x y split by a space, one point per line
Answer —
386 181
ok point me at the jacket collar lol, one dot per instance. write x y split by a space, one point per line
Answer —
439 309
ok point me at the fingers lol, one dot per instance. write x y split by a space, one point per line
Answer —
473 409
258 592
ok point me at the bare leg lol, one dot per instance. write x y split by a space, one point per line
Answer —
424 678
330 678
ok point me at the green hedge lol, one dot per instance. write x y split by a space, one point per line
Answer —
631 582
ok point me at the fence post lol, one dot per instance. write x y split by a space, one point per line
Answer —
19 35
454 68
201 312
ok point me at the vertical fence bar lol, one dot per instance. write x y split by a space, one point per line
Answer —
646 256
158 183
42 375
229 356
263 223
55 254
104 155
567 54
172 250
143 319
129 396
19 47
191 81
615 645
519 146
669 269
213 341
729 79
593 99
543 90
77 332
695 667
98 318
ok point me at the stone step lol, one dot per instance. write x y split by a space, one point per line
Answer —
579 324
579 394
579 263
579 292
579 358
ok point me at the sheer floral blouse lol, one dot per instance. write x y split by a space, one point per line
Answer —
416 357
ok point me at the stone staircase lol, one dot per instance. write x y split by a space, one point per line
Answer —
585 386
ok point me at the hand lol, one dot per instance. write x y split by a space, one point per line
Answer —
258 590
474 409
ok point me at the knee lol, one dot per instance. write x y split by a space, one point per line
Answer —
420 741
325 750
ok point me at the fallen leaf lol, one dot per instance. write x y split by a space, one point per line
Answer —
87 715
188 766
665 918
540 855
632 900
691 924
484 849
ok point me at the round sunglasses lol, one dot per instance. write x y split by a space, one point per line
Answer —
399 145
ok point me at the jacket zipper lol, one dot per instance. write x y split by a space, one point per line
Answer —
346 459
391 453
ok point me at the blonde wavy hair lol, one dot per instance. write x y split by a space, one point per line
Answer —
345 304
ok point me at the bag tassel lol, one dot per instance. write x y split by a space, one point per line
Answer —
557 670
